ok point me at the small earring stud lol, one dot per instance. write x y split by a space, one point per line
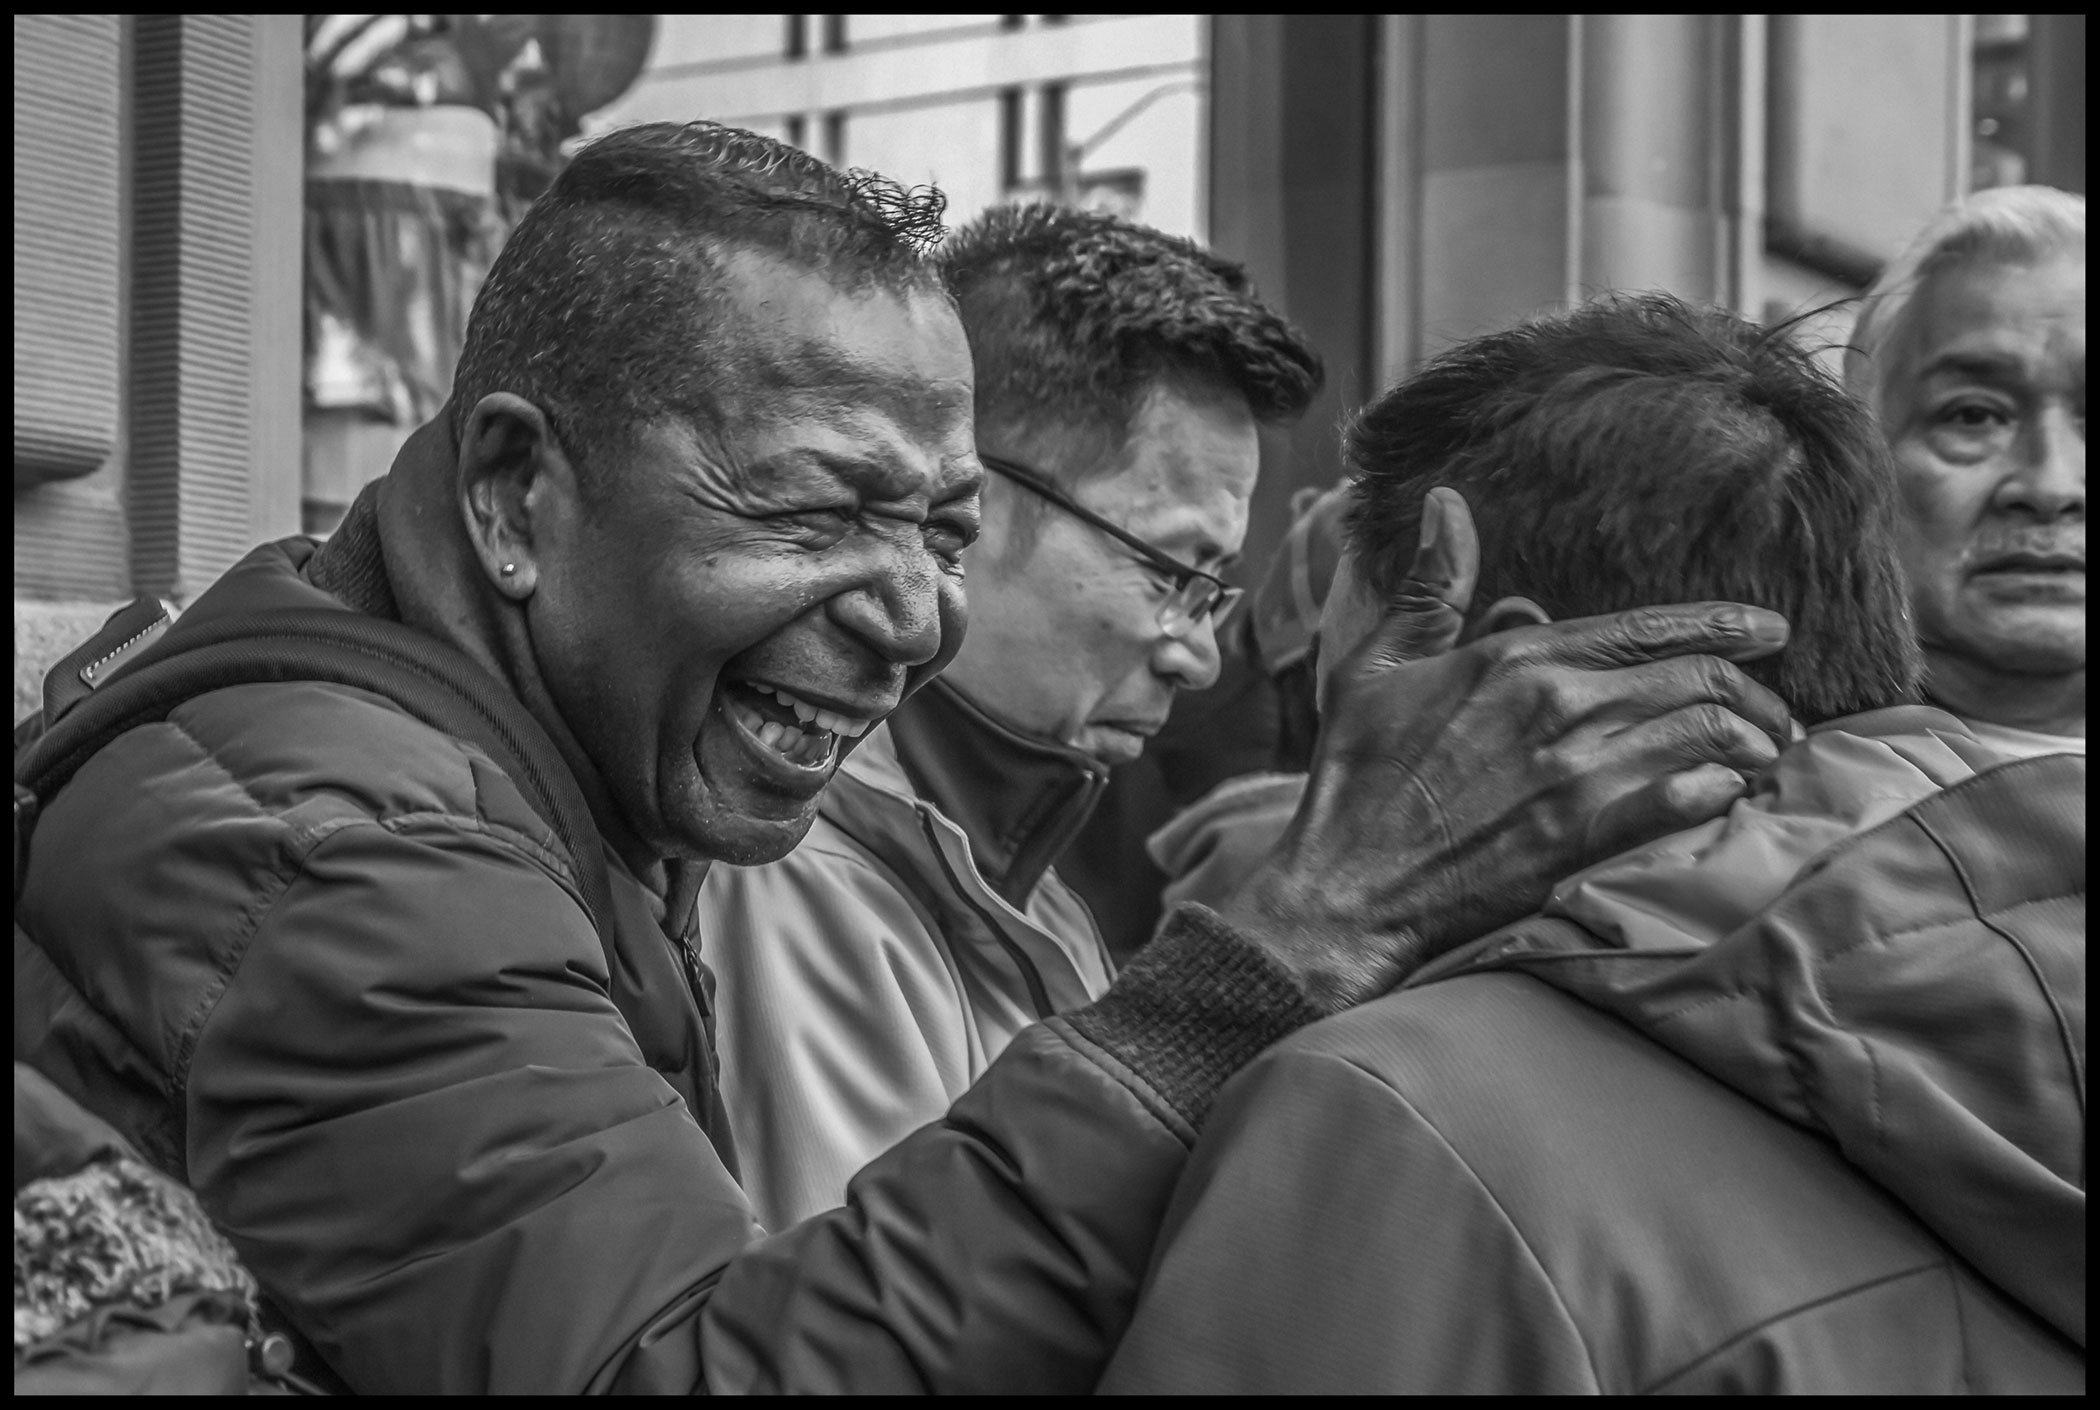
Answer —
509 568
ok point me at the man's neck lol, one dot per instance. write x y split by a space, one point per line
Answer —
441 591
2042 704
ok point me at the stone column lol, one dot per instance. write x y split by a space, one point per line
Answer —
1767 163
1539 159
218 138
1291 194
1655 154
157 311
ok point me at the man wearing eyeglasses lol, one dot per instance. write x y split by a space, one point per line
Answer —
870 976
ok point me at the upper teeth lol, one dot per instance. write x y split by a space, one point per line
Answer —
814 714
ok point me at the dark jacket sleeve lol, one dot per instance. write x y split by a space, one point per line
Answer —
431 1134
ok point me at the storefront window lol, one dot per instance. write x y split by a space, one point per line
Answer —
2002 101
427 137
2028 85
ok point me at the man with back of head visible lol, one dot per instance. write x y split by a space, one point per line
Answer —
871 975
439 1063
1791 1101
1971 349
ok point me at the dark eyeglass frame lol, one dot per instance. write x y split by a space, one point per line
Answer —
1218 604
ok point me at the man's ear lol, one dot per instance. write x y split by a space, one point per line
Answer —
1348 614
511 470
1505 613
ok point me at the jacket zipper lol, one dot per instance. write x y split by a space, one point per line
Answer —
684 945
1038 993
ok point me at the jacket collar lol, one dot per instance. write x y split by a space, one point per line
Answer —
1883 943
1020 800
1693 889
403 553
350 565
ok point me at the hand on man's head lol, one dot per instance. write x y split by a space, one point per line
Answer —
1455 785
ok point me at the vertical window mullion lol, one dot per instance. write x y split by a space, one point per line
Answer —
1052 135
1010 138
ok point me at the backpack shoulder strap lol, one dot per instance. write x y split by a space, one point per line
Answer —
431 681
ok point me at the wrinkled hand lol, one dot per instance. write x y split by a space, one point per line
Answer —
1453 787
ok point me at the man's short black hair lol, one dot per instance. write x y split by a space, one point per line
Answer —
600 310
1074 315
1641 451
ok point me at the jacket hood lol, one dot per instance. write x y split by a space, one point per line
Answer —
1883 942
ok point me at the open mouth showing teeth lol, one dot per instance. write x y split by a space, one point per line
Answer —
803 734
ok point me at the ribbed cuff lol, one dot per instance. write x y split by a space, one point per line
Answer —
1194 1008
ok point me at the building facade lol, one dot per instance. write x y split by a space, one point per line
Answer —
1395 182
1101 110
157 292
1399 182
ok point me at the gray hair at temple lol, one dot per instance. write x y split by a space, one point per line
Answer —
2013 225
604 307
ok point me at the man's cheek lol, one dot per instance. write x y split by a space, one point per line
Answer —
1938 504
1930 533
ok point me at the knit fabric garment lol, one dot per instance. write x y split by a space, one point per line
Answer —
1193 1008
350 566
114 1233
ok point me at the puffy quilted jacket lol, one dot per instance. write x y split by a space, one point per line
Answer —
1792 1101
325 965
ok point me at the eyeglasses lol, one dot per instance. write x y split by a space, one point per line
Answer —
1196 594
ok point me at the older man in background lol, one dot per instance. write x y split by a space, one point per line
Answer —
1971 348
870 976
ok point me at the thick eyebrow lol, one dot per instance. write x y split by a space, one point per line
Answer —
835 385
872 475
1196 550
1982 366
1207 555
868 474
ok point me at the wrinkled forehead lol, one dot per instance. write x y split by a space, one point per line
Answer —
819 380
790 338
1190 449
2029 316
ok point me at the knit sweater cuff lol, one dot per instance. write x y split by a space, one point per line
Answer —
1192 1009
